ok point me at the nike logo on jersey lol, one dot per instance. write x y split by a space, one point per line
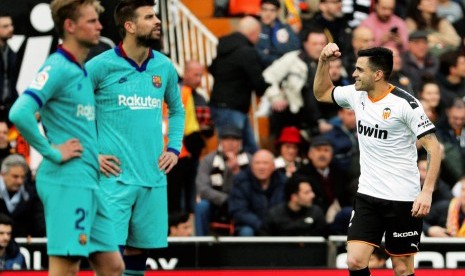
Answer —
122 80
372 132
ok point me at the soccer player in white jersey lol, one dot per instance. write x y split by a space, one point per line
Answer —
389 199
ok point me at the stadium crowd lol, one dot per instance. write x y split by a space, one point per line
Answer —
304 181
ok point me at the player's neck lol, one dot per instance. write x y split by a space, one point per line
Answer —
379 90
79 52
135 51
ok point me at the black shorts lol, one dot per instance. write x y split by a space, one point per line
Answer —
372 217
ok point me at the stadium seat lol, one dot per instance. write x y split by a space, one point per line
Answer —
244 7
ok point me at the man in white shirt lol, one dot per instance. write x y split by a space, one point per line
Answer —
389 199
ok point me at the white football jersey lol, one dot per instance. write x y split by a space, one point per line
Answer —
387 130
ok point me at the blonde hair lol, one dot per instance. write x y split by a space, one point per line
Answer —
69 9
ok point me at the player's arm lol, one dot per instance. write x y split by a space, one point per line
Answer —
422 204
22 114
322 85
176 122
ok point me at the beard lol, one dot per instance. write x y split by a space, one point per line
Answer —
147 40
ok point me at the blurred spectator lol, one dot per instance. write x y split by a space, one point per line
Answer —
442 190
297 216
10 257
362 38
215 179
5 147
19 199
446 218
289 145
221 8
451 133
331 19
255 192
388 29
430 98
451 76
192 79
422 16
181 179
294 11
328 182
8 67
397 78
237 72
450 10
179 225
291 90
343 138
378 258
276 38
418 61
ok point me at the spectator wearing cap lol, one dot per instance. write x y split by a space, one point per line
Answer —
417 60
288 145
255 191
329 183
276 38
215 178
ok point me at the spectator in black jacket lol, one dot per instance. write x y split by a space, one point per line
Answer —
19 200
237 72
254 192
297 216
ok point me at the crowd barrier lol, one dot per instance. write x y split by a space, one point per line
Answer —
264 253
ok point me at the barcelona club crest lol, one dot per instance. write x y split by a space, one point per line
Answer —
83 239
156 80
386 113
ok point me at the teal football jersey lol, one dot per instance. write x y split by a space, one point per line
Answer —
65 96
129 102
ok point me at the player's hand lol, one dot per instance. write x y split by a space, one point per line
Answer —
70 149
167 161
109 164
422 205
330 52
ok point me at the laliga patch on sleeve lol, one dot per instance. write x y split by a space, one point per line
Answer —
41 79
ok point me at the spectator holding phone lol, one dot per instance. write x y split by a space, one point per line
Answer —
388 29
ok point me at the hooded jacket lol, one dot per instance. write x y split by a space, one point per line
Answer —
237 72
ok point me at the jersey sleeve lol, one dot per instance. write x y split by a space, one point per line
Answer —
344 96
45 84
418 121
176 113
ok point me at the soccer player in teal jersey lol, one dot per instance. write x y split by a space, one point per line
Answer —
131 82
78 222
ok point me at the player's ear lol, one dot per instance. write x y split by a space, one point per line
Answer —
130 27
69 25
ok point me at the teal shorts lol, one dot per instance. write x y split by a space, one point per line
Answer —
140 214
77 221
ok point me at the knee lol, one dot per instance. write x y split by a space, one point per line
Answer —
355 263
402 265
117 268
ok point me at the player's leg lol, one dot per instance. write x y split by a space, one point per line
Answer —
403 265
148 228
365 232
105 257
68 220
61 266
403 234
